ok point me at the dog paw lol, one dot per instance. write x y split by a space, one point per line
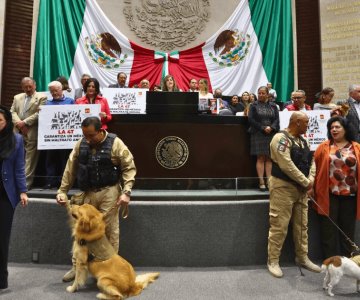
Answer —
101 296
71 289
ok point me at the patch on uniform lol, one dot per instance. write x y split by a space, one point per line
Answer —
125 153
283 144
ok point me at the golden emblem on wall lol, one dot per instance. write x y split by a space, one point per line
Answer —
172 152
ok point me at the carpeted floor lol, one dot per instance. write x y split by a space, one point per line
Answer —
29 281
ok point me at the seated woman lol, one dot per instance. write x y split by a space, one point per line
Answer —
325 97
204 89
246 99
92 96
169 85
236 106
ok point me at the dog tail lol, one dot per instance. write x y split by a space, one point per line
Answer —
333 260
142 281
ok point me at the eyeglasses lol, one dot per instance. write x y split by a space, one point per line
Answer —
296 98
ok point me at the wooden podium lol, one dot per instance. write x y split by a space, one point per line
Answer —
217 146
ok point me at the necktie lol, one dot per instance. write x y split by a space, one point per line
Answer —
26 105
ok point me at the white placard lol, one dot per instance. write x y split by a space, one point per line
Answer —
126 100
317 130
60 125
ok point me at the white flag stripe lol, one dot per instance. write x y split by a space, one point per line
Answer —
247 75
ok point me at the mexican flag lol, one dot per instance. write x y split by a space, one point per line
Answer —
254 46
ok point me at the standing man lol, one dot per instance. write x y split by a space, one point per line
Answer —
291 182
353 115
80 92
121 81
298 102
25 113
193 85
56 159
272 92
105 172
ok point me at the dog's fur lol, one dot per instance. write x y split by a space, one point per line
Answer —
116 277
336 267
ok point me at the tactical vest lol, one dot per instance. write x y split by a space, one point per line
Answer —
96 169
301 157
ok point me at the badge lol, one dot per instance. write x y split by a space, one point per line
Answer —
283 144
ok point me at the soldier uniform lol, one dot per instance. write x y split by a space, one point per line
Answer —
288 197
105 194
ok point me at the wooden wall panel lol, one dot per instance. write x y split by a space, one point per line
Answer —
17 47
308 47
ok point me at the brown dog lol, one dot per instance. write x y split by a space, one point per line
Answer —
116 277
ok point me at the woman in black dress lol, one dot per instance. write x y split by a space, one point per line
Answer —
264 123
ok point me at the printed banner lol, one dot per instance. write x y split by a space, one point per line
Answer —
317 130
126 101
60 125
253 46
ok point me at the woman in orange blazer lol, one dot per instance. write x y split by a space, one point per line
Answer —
336 186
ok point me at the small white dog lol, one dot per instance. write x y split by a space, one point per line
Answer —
336 267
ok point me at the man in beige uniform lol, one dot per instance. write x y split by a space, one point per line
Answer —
292 180
25 114
102 163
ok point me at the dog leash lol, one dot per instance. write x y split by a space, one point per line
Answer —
124 210
357 249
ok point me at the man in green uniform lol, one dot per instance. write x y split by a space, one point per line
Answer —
290 184
105 172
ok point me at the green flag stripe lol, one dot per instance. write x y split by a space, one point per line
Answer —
272 22
59 27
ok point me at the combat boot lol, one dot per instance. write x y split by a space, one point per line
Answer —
307 264
275 269
69 275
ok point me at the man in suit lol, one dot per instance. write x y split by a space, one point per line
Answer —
193 84
25 113
353 115
121 81
80 91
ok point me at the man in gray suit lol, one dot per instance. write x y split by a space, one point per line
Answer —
25 113
80 91
353 115
121 81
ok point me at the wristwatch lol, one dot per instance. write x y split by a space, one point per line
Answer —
126 192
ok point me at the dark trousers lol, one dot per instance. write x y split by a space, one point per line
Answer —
55 165
6 218
343 213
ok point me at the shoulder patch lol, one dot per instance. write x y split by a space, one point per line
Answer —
283 144
125 153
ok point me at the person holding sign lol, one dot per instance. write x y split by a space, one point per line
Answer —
105 172
56 159
93 96
336 186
